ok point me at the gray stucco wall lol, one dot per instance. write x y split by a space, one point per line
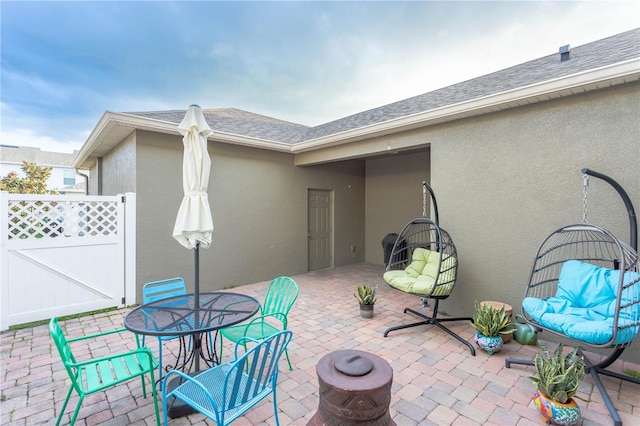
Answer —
94 180
119 168
513 178
504 181
393 197
259 207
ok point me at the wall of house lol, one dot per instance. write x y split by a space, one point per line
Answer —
346 180
505 181
94 180
118 169
393 197
513 178
259 206
55 181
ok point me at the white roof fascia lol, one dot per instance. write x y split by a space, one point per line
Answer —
250 141
92 141
134 122
622 72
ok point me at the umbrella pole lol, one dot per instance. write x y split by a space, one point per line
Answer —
196 303
196 263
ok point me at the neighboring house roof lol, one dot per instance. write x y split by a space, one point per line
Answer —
603 63
11 154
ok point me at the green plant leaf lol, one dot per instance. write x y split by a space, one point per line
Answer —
558 376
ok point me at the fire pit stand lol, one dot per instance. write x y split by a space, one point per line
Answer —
355 389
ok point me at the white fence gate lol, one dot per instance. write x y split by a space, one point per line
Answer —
63 255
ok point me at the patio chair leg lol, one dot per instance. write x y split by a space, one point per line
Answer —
509 361
286 353
154 392
75 413
275 406
595 370
617 421
64 405
163 388
159 359
144 387
433 320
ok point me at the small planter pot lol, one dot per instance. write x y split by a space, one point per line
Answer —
491 344
366 311
508 309
555 412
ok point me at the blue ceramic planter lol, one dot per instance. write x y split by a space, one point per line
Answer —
491 344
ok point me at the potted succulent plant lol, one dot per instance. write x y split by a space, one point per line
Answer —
366 296
490 323
557 380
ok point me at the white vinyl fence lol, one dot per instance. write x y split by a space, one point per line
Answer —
65 254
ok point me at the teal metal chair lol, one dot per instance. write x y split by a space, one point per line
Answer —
227 391
281 293
94 375
157 290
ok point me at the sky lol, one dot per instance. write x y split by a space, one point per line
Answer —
63 64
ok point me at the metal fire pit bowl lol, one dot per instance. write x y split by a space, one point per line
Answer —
355 389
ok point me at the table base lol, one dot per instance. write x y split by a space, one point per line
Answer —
201 350
176 407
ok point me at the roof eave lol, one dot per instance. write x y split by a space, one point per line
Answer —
622 72
113 128
250 141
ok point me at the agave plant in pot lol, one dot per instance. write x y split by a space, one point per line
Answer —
557 380
366 296
490 323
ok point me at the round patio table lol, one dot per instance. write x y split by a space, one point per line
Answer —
177 316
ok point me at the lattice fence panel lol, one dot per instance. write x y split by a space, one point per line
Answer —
51 218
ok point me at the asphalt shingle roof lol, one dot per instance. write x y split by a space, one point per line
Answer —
237 122
601 53
16 154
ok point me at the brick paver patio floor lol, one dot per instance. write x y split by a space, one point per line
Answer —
435 378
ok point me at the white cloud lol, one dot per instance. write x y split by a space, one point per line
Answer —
221 50
373 72
25 137
346 58
35 83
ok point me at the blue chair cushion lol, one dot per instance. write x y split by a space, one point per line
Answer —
585 303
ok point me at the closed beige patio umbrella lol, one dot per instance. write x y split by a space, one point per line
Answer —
194 224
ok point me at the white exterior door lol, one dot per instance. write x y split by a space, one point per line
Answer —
61 255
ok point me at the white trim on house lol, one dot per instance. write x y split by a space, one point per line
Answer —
114 127
623 72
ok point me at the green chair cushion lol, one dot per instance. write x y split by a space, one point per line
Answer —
419 277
